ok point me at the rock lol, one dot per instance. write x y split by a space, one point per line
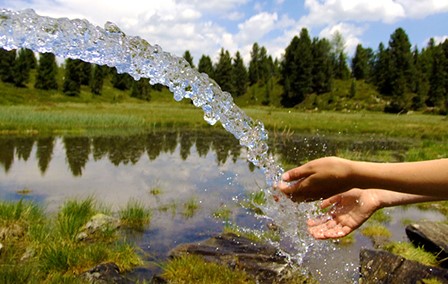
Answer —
12 231
104 274
1 248
263 261
378 266
98 223
432 236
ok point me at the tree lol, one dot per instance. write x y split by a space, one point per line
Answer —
46 72
31 58
322 72
438 79
72 80
85 73
187 56
381 69
206 66
240 76
296 71
223 71
98 74
21 69
121 81
141 89
7 61
341 70
401 71
360 63
254 64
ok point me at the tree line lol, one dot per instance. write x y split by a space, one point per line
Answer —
409 78
16 66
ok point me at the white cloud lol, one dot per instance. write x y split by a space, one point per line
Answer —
350 34
387 11
437 40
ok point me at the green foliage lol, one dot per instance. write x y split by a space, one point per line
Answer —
206 66
187 56
135 216
21 69
297 69
44 249
72 216
223 72
190 208
7 61
194 269
73 73
46 72
409 251
240 76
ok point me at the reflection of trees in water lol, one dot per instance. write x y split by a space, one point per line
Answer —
44 152
129 149
7 153
77 150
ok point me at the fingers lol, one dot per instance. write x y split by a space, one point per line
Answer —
329 230
330 201
295 174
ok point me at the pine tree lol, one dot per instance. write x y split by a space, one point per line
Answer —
46 72
187 56
21 69
141 89
98 75
240 76
401 71
223 71
438 79
72 80
7 61
31 58
296 71
85 75
254 64
360 63
121 81
264 66
381 69
341 70
322 72
206 66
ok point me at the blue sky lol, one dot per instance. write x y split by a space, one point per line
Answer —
206 26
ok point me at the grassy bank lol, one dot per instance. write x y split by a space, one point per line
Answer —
76 117
38 248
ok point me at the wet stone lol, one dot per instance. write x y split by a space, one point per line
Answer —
261 260
106 273
377 266
433 236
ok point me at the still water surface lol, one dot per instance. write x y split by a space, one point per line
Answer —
166 170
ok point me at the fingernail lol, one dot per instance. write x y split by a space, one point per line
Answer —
285 176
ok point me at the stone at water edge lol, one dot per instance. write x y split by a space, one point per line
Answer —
261 260
432 236
377 266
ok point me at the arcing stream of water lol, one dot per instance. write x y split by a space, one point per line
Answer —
78 39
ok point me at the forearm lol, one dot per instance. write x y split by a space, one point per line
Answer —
386 198
428 178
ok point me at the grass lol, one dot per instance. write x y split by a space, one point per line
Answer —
190 208
135 216
193 269
408 251
45 249
376 230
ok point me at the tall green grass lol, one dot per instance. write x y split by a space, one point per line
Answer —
45 249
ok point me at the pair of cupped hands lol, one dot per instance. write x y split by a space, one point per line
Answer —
329 179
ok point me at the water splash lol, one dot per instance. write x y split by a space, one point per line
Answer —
78 39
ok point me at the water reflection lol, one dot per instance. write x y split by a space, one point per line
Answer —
205 165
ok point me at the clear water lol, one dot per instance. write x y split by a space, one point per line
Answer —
79 39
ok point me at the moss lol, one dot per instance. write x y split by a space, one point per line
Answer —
193 269
409 251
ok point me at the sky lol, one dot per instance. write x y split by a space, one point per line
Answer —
205 26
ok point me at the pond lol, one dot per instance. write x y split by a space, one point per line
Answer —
185 176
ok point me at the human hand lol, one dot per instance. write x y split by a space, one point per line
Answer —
350 210
317 179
